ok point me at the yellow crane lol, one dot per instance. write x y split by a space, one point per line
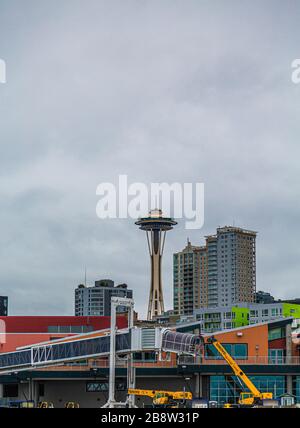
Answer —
163 398
246 398
71 405
45 405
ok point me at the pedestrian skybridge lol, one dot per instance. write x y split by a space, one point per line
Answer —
181 343
97 344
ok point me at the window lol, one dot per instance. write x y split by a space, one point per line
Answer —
296 387
70 328
277 333
241 350
103 386
96 386
41 390
236 350
227 315
276 356
224 391
144 356
10 390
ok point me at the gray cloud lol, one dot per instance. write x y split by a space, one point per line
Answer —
161 91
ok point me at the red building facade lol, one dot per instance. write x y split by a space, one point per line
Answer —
18 331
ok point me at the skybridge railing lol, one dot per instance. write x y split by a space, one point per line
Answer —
63 351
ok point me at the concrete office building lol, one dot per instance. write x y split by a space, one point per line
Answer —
231 266
96 301
264 297
190 279
3 306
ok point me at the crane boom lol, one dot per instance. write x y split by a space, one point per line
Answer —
235 367
177 395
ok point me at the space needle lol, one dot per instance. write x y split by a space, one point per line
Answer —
156 227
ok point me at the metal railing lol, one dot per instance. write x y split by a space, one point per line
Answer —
100 364
181 360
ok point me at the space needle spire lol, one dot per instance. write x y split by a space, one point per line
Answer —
156 227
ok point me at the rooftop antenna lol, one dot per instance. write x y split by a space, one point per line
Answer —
85 276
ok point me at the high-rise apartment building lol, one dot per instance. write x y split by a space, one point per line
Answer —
3 306
231 266
190 279
219 274
96 301
212 270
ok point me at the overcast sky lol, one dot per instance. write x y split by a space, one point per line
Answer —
186 91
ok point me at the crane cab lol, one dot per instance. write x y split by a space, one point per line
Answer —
249 399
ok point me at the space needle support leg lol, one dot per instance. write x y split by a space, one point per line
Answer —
147 233
163 243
